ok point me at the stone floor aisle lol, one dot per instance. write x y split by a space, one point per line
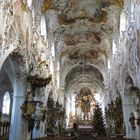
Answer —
103 138
85 138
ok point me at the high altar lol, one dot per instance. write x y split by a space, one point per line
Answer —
84 105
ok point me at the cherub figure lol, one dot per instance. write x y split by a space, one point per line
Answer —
29 96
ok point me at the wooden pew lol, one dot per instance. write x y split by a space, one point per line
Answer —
55 138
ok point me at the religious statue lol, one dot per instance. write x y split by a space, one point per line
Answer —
28 107
136 98
132 121
85 105
113 127
136 103
38 114
71 119
29 96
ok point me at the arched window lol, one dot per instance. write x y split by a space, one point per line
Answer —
6 103
53 50
122 23
97 97
43 27
114 47
108 64
29 3
137 16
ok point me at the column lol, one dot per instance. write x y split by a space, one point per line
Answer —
18 126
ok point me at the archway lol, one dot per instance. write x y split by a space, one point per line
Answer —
15 85
6 100
82 84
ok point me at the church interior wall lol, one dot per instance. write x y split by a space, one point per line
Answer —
29 48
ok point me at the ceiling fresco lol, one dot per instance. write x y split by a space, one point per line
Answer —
85 55
84 31
86 37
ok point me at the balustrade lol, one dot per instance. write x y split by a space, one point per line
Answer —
4 128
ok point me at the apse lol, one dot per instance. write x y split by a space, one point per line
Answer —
83 88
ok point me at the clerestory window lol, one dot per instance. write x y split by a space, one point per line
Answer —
6 103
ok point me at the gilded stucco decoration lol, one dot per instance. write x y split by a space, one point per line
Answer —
84 100
46 5
77 51
19 7
91 54
119 3
64 21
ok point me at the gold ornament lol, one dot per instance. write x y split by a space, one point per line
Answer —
45 5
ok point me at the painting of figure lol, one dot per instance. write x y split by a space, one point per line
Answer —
91 54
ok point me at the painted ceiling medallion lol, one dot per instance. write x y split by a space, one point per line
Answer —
99 18
91 54
75 39
88 55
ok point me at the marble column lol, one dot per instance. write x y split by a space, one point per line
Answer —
18 126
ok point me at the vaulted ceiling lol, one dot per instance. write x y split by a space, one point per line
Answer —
82 32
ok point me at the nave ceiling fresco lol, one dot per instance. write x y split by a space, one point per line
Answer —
82 34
